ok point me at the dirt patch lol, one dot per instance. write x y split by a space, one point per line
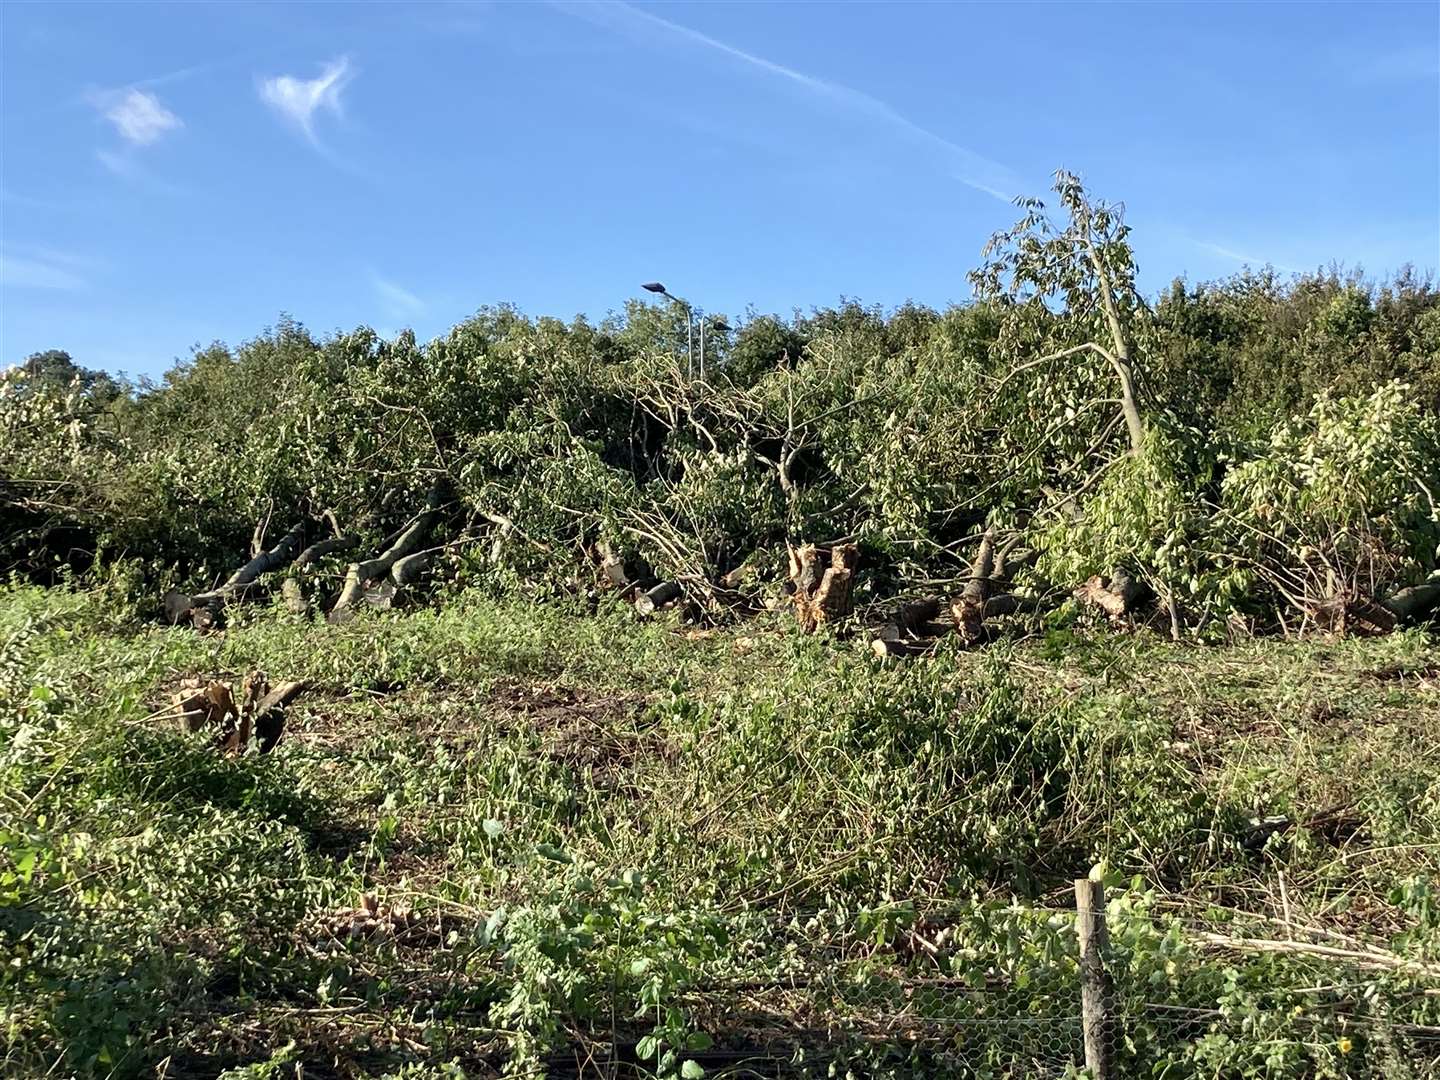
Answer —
601 736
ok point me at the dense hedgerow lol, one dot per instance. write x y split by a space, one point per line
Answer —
908 432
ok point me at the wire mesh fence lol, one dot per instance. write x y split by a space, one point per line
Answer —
1011 992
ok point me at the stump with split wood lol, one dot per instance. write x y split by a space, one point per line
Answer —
1117 597
968 610
211 706
824 581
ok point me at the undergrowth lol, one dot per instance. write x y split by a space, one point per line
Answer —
503 838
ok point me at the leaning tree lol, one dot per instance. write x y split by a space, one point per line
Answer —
1071 320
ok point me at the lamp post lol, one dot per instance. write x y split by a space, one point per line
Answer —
720 325
656 287
690 320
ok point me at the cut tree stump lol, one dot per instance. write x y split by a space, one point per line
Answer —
824 582
1117 598
614 573
294 597
1350 616
261 711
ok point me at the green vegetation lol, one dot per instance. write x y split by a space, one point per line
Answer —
1259 455
589 802
730 846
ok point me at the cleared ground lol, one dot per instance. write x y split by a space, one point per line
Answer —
513 839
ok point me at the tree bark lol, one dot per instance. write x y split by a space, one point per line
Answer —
1120 357
650 601
616 574
1411 606
179 606
406 543
1116 599
318 550
409 569
914 615
823 593
968 610
894 640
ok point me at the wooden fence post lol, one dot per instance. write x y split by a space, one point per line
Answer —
1096 989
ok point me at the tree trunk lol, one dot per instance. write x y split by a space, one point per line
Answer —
968 610
614 571
1120 356
647 603
894 640
409 569
318 550
179 606
1116 599
1411 606
915 615
406 543
912 629
1350 616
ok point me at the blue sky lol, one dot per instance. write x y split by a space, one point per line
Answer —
175 174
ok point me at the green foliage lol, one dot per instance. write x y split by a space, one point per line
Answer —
617 842
1144 516
1237 353
1343 497
907 431
595 945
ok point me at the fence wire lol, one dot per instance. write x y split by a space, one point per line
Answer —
1000 997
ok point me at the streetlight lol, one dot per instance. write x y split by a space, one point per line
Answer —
656 287
722 326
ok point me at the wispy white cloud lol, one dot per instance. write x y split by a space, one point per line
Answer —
42 270
1241 257
121 165
181 74
399 303
965 165
126 165
299 100
137 116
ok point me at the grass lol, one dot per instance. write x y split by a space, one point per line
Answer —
503 838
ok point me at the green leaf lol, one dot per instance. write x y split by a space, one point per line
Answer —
691 1070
